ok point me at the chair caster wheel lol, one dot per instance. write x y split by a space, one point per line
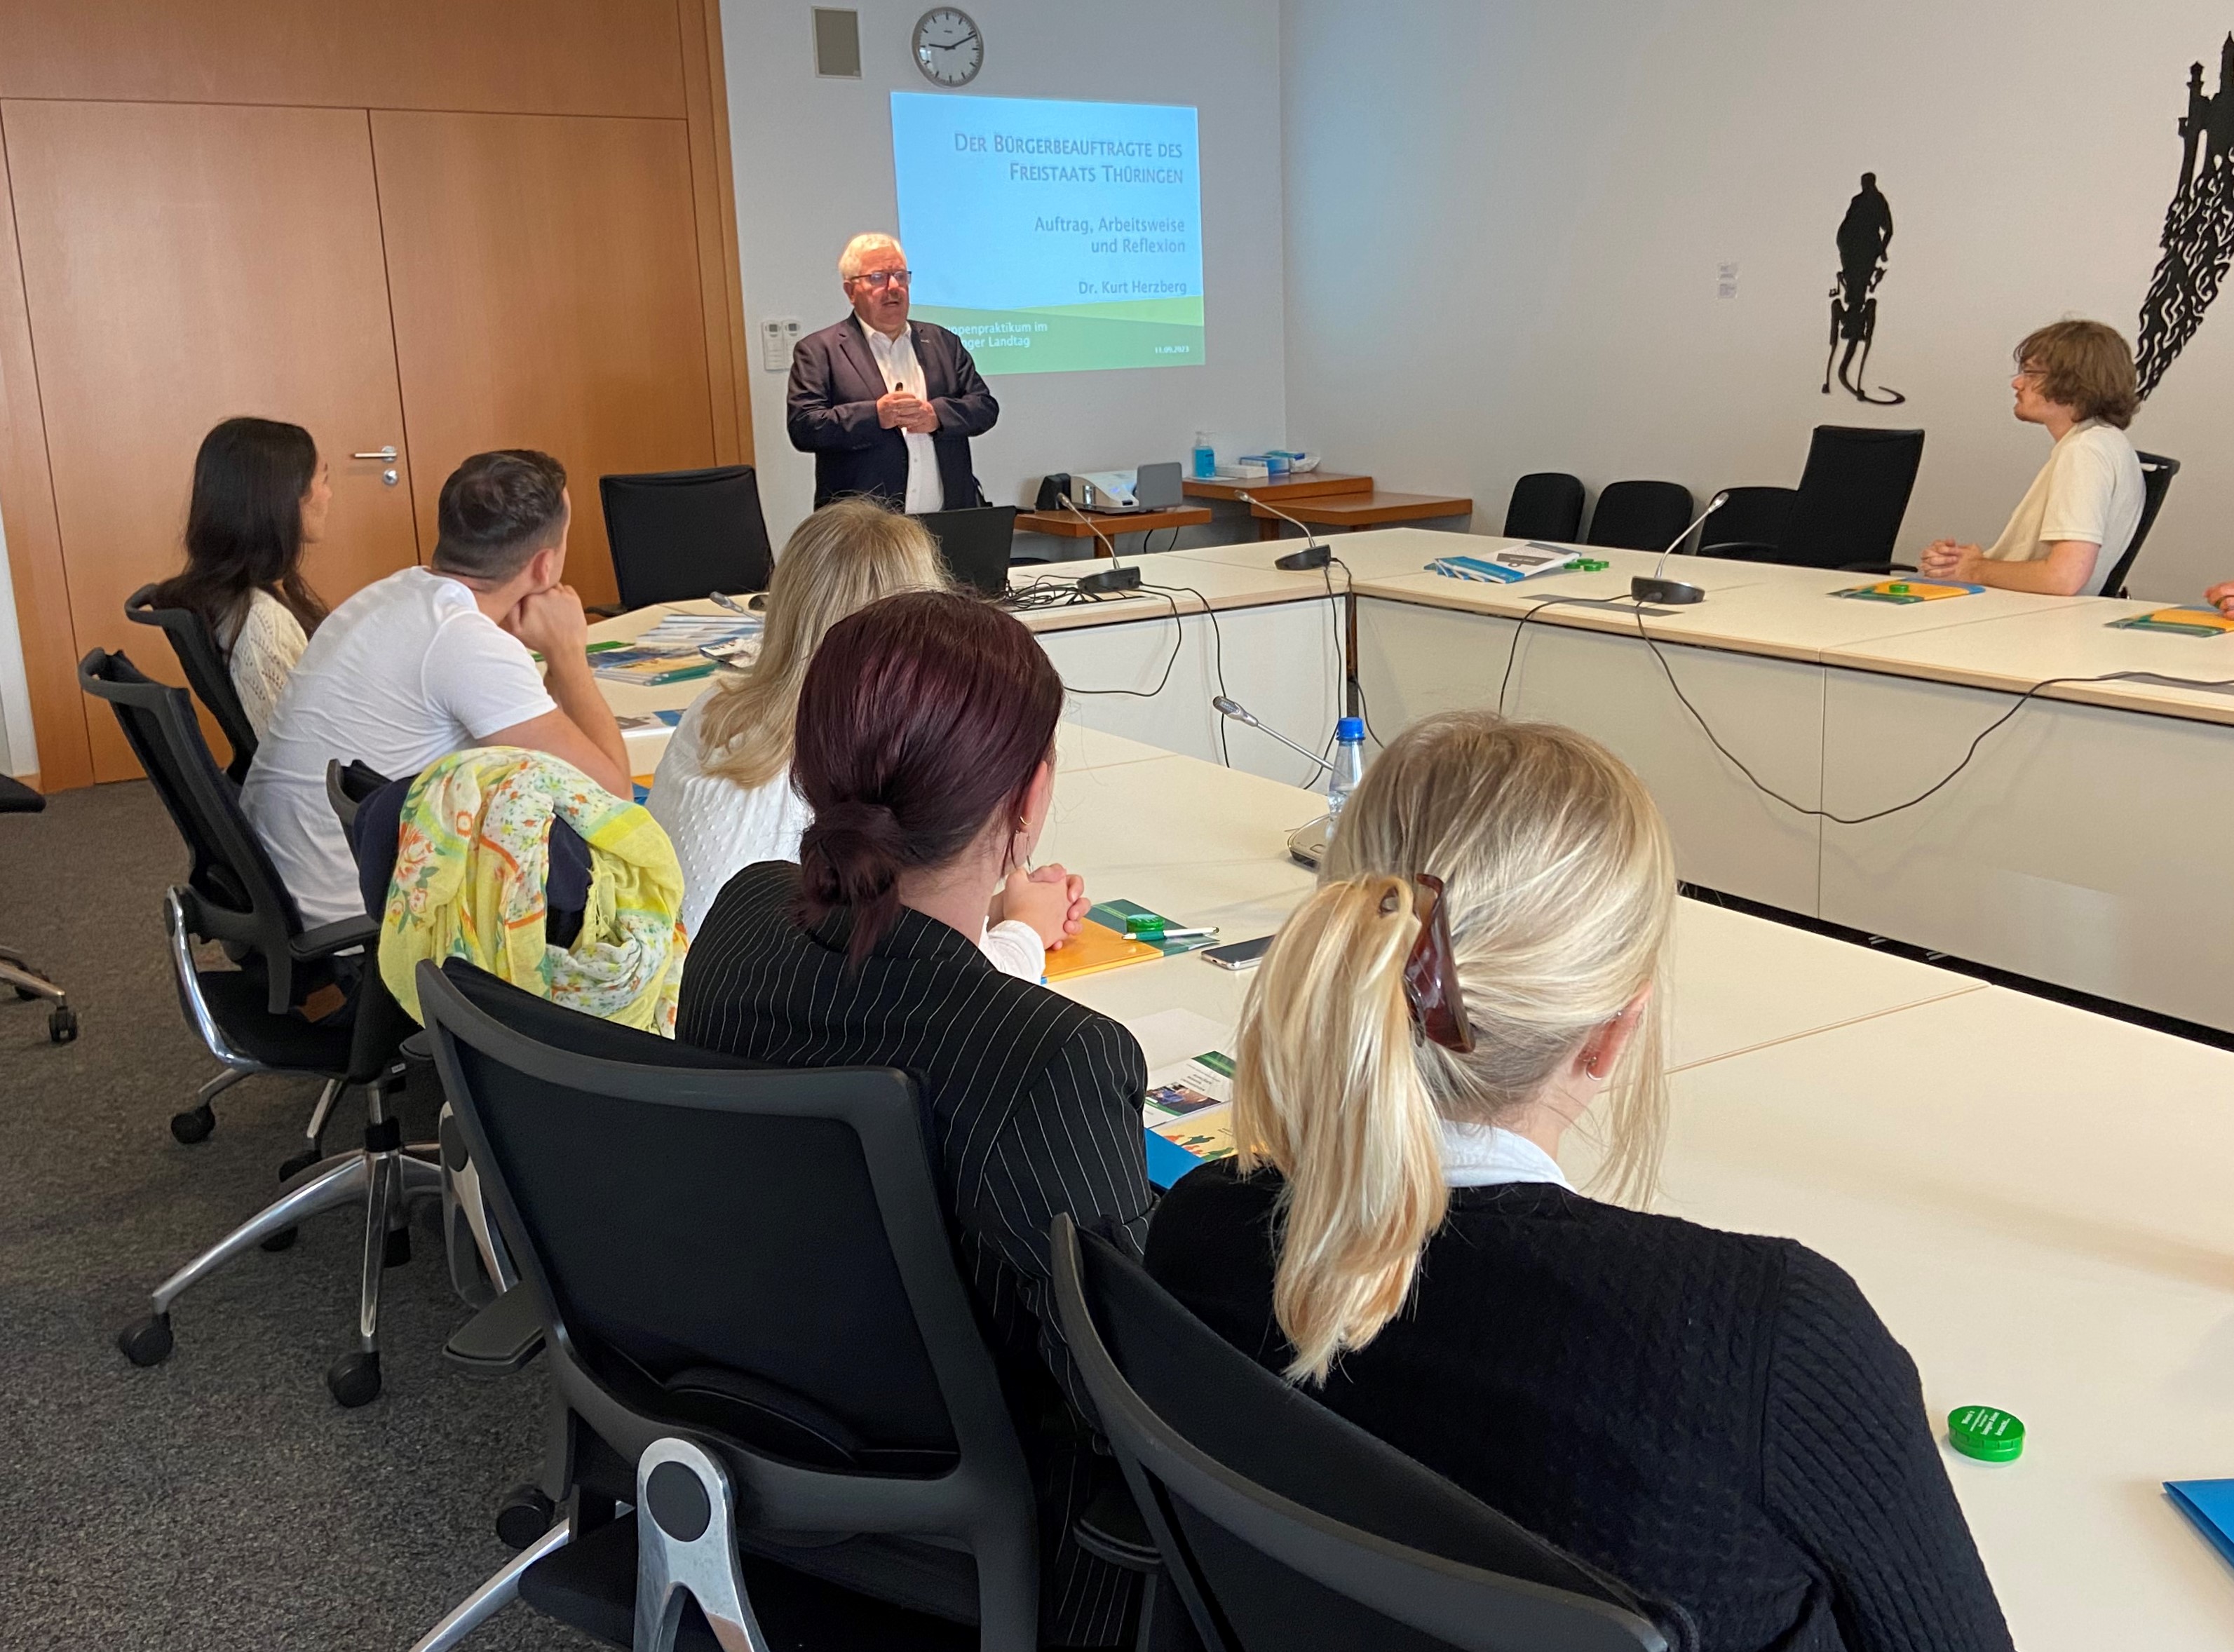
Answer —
147 1341
396 1248
354 1379
295 1164
62 1025
526 1515
193 1124
283 1240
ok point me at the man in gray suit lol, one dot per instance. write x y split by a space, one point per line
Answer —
887 405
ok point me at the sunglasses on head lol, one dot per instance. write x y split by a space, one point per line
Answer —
1431 974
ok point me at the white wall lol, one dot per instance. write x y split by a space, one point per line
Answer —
814 164
1505 219
19 751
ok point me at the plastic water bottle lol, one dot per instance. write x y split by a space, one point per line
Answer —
1348 767
1206 456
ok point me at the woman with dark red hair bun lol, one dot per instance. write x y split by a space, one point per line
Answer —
925 747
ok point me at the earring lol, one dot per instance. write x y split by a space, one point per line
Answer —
1591 1067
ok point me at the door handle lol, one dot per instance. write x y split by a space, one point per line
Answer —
386 455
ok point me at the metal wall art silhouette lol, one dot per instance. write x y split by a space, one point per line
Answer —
2198 230
1865 236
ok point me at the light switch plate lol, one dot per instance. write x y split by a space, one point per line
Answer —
780 335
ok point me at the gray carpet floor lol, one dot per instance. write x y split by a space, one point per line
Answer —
221 1499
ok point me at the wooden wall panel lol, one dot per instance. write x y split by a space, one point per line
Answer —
183 263
728 348
544 279
550 56
34 545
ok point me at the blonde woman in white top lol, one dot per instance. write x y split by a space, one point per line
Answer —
2074 380
723 789
260 499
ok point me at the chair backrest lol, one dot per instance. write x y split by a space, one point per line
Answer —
1852 496
754 1254
238 897
2157 472
1750 518
1283 1525
206 672
1546 505
1641 516
975 545
678 535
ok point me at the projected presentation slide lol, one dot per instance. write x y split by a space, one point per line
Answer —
1052 237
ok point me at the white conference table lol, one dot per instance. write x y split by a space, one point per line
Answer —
2081 846
2032 1197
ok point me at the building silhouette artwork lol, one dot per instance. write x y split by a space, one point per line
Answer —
2198 231
1865 239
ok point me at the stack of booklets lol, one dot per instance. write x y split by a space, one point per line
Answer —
680 647
1187 1115
1509 566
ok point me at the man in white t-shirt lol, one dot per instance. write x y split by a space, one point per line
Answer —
429 660
2076 379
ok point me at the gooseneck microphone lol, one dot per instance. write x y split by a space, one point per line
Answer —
1313 555
1241 714
1674 592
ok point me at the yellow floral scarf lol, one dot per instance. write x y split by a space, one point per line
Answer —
471 861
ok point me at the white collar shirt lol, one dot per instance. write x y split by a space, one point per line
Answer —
1481 1155
897 366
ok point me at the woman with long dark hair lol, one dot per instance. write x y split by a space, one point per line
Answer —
925 749
260 497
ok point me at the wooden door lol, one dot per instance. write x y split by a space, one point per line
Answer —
183 263
544 274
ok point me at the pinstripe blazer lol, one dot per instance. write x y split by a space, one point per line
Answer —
1034 1109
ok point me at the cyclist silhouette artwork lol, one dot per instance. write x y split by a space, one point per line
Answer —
1864 235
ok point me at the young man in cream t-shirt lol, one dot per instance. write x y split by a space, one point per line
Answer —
2076 379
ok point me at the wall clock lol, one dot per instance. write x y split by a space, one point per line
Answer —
947 47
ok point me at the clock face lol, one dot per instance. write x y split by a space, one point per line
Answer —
948 48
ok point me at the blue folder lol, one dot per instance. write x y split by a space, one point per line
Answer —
1167 1160
2210 1503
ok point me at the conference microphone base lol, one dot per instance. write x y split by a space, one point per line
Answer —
1673 592
1306 845
1303 561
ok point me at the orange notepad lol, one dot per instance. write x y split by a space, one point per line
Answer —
1097 947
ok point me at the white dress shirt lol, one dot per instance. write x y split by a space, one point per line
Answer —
1481 1155
897 364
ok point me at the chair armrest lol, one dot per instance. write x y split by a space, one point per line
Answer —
600 611
501 1338
1877 567
340 936
1741 550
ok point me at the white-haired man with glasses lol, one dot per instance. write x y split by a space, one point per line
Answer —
886 405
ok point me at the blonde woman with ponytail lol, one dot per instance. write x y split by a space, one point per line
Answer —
1720 1420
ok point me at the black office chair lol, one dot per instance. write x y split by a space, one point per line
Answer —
1750 516
2157 472
246 1018
1641 516
1847 511
202 662
679 535
1547 505
757 1333
1283 1525
16 970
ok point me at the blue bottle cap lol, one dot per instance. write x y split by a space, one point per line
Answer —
1350 729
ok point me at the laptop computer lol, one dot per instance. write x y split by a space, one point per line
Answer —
975 546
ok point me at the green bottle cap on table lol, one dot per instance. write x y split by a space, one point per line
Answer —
1986 1433
1900 590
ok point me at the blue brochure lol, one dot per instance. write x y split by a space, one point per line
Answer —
2210 1503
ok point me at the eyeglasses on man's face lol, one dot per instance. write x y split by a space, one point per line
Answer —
878 280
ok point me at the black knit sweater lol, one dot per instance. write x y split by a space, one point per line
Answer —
1717 1418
